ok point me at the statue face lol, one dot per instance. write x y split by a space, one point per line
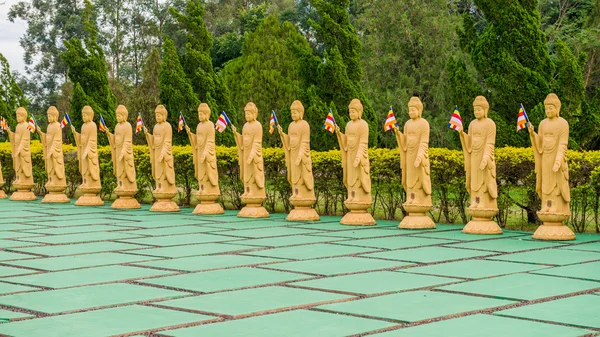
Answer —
21 117
86 117
296 115
159 117
479 112
413 112
121 117
250 117
551 110
354 114
202 116
52 118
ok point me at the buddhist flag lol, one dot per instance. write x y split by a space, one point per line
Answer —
455 122
272 122
139 124
102 126
222 122
390 121
329 124
32 124
181 122
3 125
65 121
522 119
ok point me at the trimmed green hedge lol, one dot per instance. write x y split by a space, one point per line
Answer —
518 201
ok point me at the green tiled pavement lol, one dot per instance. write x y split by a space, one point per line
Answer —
64 300
578 311
523 286
255 300
415 305
217 280
104 272
101 323
488 326
300 323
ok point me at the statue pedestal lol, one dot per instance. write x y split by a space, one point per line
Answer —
253 208
56 194
2 194
482 222
164 202
125 199
90 197
23 193
358 215
208 204
553 227
416 218
303 210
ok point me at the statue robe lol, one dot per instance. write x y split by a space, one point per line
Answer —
87 142
413 144
249 144
354 145
160 144
21 153
121 145
53 154
203 143
296 145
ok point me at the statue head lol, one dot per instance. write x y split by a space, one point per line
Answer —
52 114
87 113
552 105
203 112
21 115
415 107
122 114
251 112
297 110
356 109
160 113
481 107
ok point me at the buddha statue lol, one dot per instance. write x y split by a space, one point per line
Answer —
480 167
414 161
354 148
552 172
249 146
54 159
121 147
296 145
87 154
161 158
21 156
205 163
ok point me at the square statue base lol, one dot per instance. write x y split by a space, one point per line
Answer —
56 198
23 196
416 218
553 228
253 211
303 214
164 205
126 203
89 200
208 208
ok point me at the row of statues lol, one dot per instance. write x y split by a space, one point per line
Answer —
549 145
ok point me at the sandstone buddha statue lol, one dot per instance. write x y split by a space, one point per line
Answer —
480 167
54 159
296 145
414 161
87 153
121 147
205 163
249 146
552 172
161 158
21 156
354 147
2 194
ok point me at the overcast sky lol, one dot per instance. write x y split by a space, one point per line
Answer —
9 37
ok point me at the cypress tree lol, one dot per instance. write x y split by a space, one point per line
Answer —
197 64
176 92
87 69
11 95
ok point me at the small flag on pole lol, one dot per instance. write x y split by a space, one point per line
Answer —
522 119
181 122
272 122
455 122
102 126
390 121
65 121
222 122
32 124
3 125
329 124
139 124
